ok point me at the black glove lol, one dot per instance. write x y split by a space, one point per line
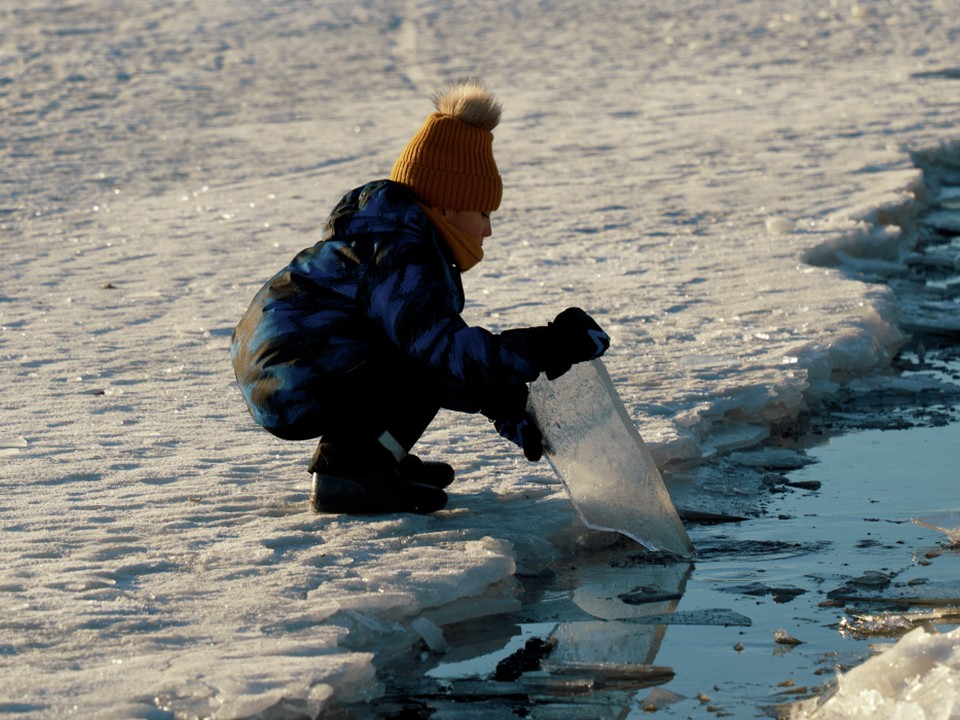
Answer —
573 337
505 401
523 432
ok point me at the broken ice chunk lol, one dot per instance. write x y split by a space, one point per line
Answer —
884 625
780 225
734 436
648 594
605 674
916 677
12 445
758 589
660 698
948 523
543 683
869 585
431 634
708 616
890 624
782 637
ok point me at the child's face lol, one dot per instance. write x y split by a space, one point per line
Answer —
474 223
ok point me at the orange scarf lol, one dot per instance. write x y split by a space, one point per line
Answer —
467 252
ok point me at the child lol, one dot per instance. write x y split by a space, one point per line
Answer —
359 340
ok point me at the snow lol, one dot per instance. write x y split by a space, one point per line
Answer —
695 175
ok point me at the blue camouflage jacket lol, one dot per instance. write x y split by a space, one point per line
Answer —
380 281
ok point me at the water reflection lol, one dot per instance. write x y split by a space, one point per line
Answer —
603 624
611 598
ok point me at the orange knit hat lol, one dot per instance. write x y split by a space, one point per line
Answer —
449 162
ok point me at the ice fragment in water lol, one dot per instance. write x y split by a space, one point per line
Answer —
601 458
891 624
431 634
782 637
947 523
660 698
709 616
604 673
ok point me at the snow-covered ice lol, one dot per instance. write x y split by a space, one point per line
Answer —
916 678
694 174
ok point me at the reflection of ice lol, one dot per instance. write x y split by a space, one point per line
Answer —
948 523
609 596
605 641
607 469
615 599
607 653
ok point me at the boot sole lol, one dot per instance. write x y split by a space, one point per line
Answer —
336 495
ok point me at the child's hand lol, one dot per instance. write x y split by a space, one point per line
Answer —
523 432
574 337
505 401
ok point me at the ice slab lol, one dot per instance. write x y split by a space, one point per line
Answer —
877 588
734 436
599 455
603 674
11 445
431 634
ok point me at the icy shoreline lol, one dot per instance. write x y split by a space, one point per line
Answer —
669 169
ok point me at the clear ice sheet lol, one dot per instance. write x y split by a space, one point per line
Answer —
606 467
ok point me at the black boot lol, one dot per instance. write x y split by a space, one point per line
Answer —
368 480
435 474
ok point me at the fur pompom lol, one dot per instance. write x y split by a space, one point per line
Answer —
470 101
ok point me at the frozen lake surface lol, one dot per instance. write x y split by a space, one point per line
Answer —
742 193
